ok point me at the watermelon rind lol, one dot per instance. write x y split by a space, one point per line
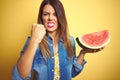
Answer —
80 44
83 45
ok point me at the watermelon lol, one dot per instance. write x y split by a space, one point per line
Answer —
95 40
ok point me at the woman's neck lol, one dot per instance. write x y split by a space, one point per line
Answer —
53 35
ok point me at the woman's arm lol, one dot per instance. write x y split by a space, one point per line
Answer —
24 64
84 51
80 57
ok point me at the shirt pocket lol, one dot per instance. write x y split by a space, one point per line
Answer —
39 60
40 65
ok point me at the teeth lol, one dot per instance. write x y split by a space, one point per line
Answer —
50 24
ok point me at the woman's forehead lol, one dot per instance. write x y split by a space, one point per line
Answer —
48 8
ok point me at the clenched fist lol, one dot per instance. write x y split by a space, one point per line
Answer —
38 32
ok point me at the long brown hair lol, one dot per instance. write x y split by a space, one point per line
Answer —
62 30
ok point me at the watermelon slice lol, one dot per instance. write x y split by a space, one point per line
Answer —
94 40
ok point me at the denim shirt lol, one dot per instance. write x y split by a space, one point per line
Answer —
45 71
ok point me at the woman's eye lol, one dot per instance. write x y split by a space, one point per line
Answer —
45 14
54 14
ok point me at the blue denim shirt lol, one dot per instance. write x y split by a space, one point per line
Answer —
68 67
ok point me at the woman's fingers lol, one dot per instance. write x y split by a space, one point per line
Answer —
92 50
38 32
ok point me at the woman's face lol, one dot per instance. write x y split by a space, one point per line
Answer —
49 18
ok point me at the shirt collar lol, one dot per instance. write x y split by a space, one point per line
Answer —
48 36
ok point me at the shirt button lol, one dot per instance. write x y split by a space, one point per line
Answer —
52 70
51 44
52 57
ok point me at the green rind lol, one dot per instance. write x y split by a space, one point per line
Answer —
82 46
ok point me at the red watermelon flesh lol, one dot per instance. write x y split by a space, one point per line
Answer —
95 40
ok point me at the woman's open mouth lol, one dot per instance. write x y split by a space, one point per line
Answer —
50 24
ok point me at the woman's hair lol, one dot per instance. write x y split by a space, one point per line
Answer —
62 30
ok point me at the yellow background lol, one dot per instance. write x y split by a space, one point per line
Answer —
84 16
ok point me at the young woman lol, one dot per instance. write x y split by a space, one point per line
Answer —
50 51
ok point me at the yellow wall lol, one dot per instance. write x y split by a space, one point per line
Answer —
84 16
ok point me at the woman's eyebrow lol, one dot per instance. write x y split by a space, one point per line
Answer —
45 11
48 12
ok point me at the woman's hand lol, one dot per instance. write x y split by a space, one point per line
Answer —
85 50
38 32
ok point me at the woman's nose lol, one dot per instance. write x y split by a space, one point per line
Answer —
51 17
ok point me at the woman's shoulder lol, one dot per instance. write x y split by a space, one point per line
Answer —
71 37
28 39
25 45
72 40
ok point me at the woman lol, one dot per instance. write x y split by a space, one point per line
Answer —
50 51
